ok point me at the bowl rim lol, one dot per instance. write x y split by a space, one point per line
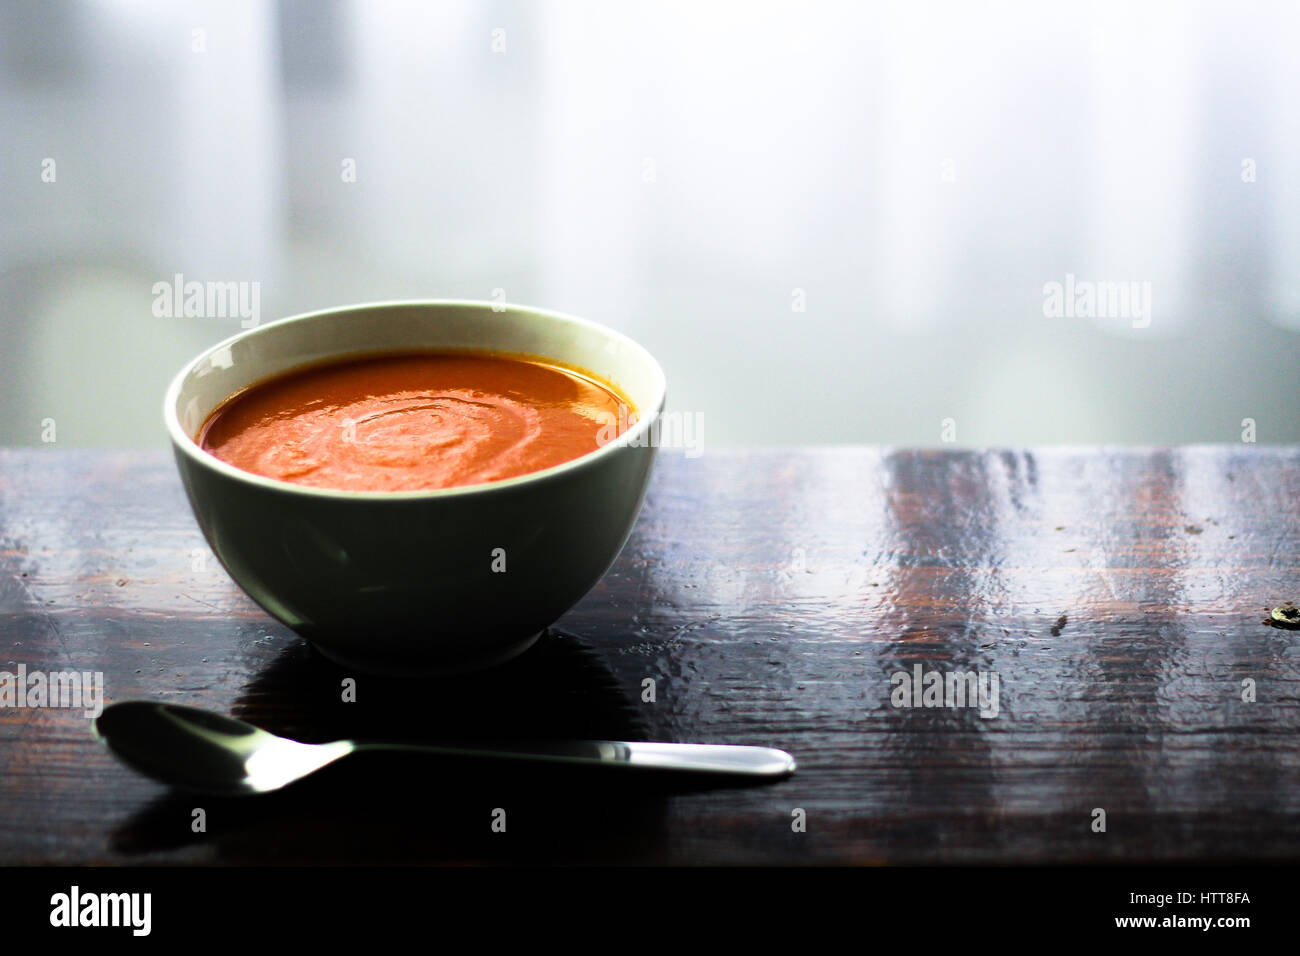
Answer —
185 444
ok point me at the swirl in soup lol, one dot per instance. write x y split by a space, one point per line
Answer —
415 421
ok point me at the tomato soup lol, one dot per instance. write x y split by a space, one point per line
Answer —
415 421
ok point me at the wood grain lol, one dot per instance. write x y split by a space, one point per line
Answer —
1118 595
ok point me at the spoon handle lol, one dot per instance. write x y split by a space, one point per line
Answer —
695 758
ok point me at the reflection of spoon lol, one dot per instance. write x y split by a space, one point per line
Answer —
198 750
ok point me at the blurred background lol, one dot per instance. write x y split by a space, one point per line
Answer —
832 222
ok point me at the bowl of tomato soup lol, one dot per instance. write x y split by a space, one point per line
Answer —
418 487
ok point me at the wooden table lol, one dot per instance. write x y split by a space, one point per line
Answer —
1117 595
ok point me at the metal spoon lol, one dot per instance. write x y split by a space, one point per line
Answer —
202 751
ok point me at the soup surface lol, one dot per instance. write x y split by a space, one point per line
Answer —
413 421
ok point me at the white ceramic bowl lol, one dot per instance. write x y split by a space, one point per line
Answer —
403 582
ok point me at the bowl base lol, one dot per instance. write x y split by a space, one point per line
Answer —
417 669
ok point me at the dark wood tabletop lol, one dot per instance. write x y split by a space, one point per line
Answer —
1117 596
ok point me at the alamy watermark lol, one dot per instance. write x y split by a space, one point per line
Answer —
83 690
922 688
208 300
1086 299
683 430
128 910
